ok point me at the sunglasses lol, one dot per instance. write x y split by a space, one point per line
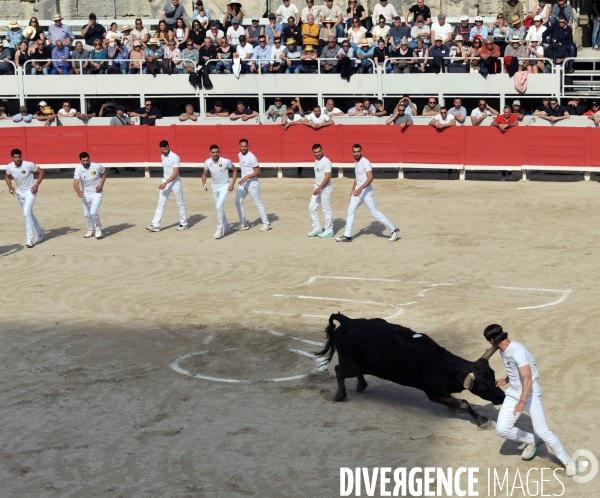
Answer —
278 42
277 100
97 44
432 101
262 41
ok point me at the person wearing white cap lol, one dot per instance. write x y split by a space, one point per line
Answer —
59 31
479 29
45 113
463 28
254 31
537 29
535 50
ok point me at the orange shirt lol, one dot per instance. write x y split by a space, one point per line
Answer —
313 31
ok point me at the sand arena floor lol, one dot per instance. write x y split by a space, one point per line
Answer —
91 406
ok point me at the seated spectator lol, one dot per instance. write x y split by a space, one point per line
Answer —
505 121
380 57
242 112
358 109
45 113
140 33
517 110
21 54
152 54
181 33
369 108
97 63
536 29
384 9
59 31
442 120
515 49
346 52
201 14
439 54
535 50
490 53
594 113
516 30
335 14
244 52
147 114
214 34
112 34
432 108
173 54
474 55
356 34
593 109
309 63
79 54
460 60
542 11
556 53
217 111
66 111
481 112
400 117
127 38
292 31
575 107
197 35
207 54
397 33
381 31
89 114
286 11
277 109
463 28
479 29
317 119
225 55
60 54
499 32
23 116
406 61
310 31
14 35
441 27
564 34
563 10
554 112
420 32
512 7
365 56
417 10
234 11
41 59
330 51
234 32
261 56
421 54
254 31
410 109
273 29
458 111
327 31
379 109
331 110
355 9
33 36
189 114
190 57
291 57
118 52
290 118
3 111
542 107
276 51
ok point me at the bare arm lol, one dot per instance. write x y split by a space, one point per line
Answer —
204 176
8 180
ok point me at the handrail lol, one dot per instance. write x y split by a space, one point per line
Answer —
319 60
15 68
80 62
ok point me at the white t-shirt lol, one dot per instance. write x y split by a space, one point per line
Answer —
297 117
90 177
286 12
476 113
217 42
449 118
140 34
515 356
23 175
322 166
361 167
243 52
444 30
62 112
247 164
276 52
323 118
219 171
235 34
335 110
170 161
316 10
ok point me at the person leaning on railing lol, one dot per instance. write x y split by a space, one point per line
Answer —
490 55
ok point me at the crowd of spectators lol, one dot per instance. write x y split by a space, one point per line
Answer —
294 39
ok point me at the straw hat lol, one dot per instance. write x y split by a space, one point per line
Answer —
57 17
126 28
29 31
13 24
365 43
516 19
327 19
290 42
152 41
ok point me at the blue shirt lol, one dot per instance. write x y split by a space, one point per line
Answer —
361 51
119 56
269 32
259 53
60 33
14 37
59 54
483 32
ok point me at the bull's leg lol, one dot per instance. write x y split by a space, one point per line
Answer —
340 376
463 406
361 385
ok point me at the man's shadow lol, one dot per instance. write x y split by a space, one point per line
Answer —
272 217
115 229
375 228
10 249
192 220
52 233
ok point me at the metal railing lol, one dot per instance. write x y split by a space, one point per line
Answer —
259 63
590 79
110 63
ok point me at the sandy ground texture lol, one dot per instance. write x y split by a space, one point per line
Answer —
91 406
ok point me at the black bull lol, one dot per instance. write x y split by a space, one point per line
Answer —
396 353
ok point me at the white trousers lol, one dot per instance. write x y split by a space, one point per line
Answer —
220 195
368 197
91 205
163 196
323 198
26 200
505 427
251 187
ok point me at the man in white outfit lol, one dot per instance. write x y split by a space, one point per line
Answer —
171 182
26 191
362 191
321 195
219 172
91 176
249 184
524 393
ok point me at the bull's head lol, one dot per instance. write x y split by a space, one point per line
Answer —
482 380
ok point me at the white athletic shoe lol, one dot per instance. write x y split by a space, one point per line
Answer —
152 228
266 227
98 233
219 233
29 244
181 228
240 227
530 449
315 233
40 236
571 469
395 235
88 234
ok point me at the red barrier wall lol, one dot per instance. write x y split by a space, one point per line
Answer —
481 146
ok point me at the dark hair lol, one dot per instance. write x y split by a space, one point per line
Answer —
240 102
316 146
163 143
494 333
16 152
83 155
378 101
243 140
214 146
357 146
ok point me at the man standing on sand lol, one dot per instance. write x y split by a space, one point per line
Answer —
91 176
524 393
26 191
171 182
321 195
219 172
249 184
362 191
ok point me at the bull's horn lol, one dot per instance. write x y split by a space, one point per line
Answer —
489 353
468 382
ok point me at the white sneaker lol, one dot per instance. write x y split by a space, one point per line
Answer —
152 228
88 234
98 233
530 450
40 236
315 233
181 228
266 227
571 469
225 71
219 233
240 227
29 244
394 236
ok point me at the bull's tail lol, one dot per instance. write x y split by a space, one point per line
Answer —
329 349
